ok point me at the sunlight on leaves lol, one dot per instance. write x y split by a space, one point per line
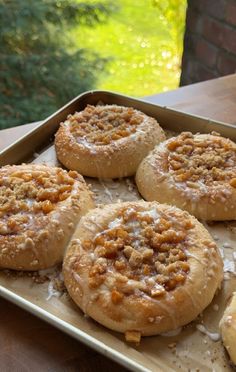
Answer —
146 38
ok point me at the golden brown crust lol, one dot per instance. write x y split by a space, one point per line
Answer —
228 328
40 207
142 266
106 141
194 172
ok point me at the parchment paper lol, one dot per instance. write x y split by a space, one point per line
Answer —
187 349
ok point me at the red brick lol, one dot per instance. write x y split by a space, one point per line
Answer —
188 68
184 62
231 13
229 39
191 68
215 8
220 34
226 63
193 20
190 41
184 80
204 73
206 52
213 30
196 72
210 40
197 4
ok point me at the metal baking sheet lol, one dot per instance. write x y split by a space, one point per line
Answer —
186 350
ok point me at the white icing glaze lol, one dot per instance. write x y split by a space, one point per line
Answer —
226 245
201 261
115 223
152 213
52 292
92 256
212 335
106 190
229 266
77 277
84 142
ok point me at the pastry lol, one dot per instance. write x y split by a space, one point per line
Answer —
228 328
141 268
40 207
193 172
106 141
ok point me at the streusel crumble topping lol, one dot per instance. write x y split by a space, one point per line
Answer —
145 251
193 159
25 194
100 125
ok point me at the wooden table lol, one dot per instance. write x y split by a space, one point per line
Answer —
29 344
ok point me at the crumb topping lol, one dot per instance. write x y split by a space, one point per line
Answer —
146 250
133 337
100 125
27 193
198 160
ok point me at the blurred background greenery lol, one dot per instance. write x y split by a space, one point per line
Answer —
52 50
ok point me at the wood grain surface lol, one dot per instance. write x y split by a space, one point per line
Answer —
214 99
28 344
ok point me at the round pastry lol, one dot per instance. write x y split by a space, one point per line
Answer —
40 207
228 328
141 268
106 141
193 172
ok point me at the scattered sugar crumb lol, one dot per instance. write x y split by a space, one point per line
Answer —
226 245
229 266
172 345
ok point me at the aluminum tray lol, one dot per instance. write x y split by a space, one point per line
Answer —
153 354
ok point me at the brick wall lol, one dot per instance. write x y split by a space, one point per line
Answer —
210 40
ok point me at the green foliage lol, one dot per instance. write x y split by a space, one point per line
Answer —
40 68
143 40
172 13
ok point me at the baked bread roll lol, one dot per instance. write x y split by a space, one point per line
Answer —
141 268
228 328
40 207
193 172
106 141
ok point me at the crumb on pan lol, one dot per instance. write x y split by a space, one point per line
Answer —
133 337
